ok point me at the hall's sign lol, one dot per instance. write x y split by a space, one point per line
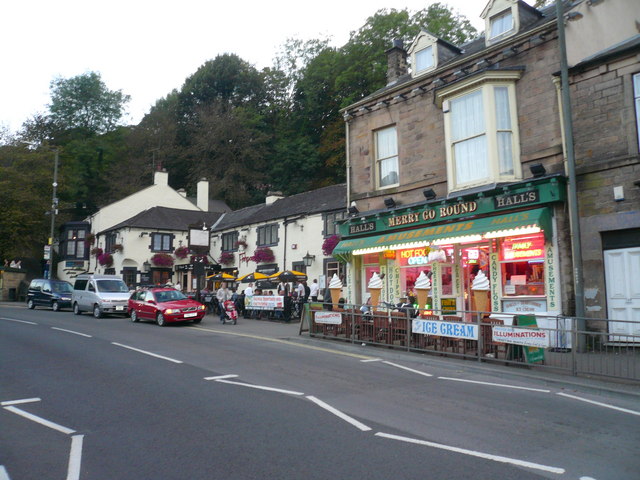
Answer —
362 228
516 199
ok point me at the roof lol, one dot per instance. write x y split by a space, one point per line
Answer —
324 199
630 45
164 218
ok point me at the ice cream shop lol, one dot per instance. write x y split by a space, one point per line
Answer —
490 251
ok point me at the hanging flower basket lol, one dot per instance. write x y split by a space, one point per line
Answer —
329 244
227 258
117 248
105 259
263 255
162 260
181 252
96 251
89 239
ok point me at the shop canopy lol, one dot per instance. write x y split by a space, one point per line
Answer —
510 224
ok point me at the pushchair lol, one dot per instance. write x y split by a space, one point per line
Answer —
230 312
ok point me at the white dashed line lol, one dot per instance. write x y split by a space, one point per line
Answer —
495 384
605 405
147 353
40 420
75 457
18 321
220 377
408 369
18 402
260 387
339 414
71 331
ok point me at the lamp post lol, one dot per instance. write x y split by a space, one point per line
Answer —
54 211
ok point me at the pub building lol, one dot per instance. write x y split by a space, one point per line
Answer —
509 233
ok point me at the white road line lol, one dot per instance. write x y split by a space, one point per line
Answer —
605 405
339 414
75 458
40 420
408 369
371 360
17 402
496 384
3 473
19 321
473 453
71 331
220 377
147 353
260 387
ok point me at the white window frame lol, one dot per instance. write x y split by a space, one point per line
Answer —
425 53
636 99
499 16
484 85
388 154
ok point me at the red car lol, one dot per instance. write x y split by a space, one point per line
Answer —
164 305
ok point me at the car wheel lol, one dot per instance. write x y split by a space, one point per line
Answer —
96 311
134 316
31 305
55 307
160 320
76 309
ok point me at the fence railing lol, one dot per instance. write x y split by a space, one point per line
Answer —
536 341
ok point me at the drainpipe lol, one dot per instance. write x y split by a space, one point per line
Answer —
574 219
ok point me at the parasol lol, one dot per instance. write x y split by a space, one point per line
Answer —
289 276
224 277
252 277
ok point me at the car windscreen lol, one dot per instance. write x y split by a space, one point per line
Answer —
169 296
112 286
61 287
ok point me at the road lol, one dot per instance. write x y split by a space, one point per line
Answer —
85 398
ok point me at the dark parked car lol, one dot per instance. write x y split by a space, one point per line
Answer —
164 305
54 294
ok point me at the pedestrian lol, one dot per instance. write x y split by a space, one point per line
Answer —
300 290
222 295
178 286
313 290
326 299
307 291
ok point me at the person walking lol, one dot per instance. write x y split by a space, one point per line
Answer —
222 295
314 289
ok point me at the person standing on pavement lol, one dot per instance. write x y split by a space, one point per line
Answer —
313 290
222 295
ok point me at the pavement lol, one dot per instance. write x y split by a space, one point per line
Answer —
291 332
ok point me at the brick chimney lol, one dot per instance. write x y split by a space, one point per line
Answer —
396 62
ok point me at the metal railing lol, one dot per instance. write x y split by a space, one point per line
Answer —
535 341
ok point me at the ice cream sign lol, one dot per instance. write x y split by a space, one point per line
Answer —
523 248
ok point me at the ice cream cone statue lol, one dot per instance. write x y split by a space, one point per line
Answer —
375 287
480 288
422 287
335 286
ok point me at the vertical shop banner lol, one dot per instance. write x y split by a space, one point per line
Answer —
384 294
496 282
550 280
394 273
436 286
531 354
457 279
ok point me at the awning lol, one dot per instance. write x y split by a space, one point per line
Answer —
510 224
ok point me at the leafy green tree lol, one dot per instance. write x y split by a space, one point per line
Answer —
84 102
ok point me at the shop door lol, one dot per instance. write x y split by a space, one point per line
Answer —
622 268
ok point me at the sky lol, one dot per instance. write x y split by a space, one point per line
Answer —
148 48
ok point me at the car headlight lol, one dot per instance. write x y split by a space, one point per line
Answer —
170 311
202 307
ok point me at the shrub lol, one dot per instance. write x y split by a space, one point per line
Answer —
227 258
329 244
263 255
162 260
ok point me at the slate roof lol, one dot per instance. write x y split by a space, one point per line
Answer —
324 199
164 218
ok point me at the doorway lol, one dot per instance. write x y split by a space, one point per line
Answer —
622 268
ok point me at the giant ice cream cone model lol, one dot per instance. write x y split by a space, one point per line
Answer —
335 286
480 288
375 287
422 287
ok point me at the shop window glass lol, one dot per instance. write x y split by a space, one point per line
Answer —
522 264
446 280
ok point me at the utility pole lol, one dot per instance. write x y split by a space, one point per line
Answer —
54 211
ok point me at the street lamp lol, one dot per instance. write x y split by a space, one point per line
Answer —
308 259
54 211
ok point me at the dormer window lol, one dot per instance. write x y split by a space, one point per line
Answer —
501 24
424 59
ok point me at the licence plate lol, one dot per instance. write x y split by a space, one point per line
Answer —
187 315
119 307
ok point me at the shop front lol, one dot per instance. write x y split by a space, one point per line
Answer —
494 251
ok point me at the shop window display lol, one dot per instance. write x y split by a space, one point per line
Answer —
522 264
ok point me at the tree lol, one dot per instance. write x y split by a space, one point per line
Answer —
84 102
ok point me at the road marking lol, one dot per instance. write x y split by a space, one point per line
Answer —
220 377
75 458
285 342
40 420
473 453
260 387
605 405
19 321
71 331
3 473
339 414
496 384
407 368
146 353
371 360
17 402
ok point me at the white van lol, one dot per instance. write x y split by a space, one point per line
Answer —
100 294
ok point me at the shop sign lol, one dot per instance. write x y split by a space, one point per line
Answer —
187 267
362 228
525 248
432 213
521 336
516 199
331 318
524 306
264 302
414 256
467 331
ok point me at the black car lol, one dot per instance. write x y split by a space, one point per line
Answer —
55 294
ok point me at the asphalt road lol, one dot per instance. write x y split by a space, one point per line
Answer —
86 398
